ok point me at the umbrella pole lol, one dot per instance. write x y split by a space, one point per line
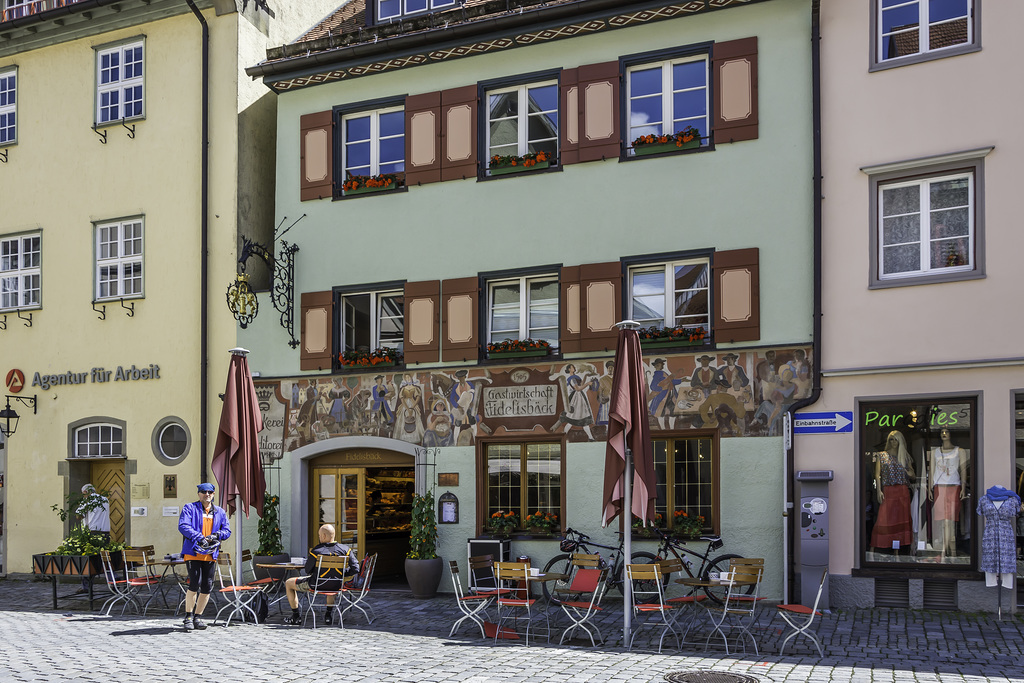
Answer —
238 540
627 547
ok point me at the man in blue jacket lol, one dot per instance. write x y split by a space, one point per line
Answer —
203 526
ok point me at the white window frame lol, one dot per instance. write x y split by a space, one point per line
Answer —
924 50
668 269
523 117
94 436
16 279
431 5
924 239
667 101
525 331
375 139
117 85
8 106
376 305
15 9
120 260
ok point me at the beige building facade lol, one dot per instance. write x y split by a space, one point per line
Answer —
920 343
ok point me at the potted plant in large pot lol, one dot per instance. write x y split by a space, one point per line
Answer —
422 565
270 550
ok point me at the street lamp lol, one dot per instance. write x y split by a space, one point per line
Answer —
9 418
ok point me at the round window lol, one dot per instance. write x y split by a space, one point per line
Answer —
171 440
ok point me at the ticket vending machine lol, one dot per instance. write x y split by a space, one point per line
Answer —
812 534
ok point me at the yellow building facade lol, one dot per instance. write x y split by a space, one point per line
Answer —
107 319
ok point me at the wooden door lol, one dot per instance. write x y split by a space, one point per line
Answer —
108 475
338 496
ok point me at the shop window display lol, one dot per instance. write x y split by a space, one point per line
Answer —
918 472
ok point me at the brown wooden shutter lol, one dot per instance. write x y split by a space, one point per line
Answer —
460 313
599 111
570 311
317 327
734 65
600 304
569 104
422 321
423 138
316 156
458 133
737 296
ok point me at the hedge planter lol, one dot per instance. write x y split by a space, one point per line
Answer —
662 147
505 170
56 566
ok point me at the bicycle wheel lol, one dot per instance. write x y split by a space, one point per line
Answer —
559 564
720 564
642 557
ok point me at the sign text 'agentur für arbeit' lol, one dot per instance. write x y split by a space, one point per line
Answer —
121 374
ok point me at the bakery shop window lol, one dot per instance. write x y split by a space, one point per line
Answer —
918 478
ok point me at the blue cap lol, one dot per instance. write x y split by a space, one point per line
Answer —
206 487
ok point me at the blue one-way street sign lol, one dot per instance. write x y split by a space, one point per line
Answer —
823 423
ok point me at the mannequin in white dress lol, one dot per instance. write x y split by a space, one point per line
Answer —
947 479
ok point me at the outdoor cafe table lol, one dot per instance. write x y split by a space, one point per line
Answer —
279 594
169 565
544 578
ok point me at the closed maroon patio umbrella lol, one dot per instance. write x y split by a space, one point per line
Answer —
236 456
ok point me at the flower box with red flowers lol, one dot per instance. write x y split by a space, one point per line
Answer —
519 348
509 163
681 335
378 358
688 138
365 184
685 525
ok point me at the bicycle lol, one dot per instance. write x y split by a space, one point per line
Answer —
718 564
578 542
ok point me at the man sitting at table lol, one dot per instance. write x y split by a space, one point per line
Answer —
330 581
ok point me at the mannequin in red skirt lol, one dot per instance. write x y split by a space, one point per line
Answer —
894 474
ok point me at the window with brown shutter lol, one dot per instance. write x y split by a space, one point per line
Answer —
460 314
423 138
570 309
317 327
600 305
737 296
569 106
673 291
422 321
734 69
316 158
458 133
598 93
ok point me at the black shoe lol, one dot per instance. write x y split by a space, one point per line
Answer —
199 623
294 620
329 617
188 623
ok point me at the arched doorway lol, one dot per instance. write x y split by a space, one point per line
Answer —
366 493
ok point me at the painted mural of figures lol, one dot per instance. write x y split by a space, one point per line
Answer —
604 393
464 398
339 397
769 412
663 393
801 374
724 411
438 431
309 415
704 376
382 395
730 375
409 412
578 412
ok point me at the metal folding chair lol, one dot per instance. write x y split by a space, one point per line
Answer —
739 610
481 575
564 591
649 602
471 606
580 612
238 596
139 579
354 592
512 575
330 571
118 587
800 618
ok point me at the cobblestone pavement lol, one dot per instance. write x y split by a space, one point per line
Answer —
408 642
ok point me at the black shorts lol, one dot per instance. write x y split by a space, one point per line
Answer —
200 575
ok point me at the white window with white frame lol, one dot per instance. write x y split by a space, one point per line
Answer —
523 119
922 27
119 256
673 294
373 320
926 226
20 283
119 82
523 308
14 9
8 106
99 441
373 142
668 97
395 9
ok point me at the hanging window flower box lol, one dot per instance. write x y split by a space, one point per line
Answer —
383 357
688 138
365 184
519 348
663 337
510 163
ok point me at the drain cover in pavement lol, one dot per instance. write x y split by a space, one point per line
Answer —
709 677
